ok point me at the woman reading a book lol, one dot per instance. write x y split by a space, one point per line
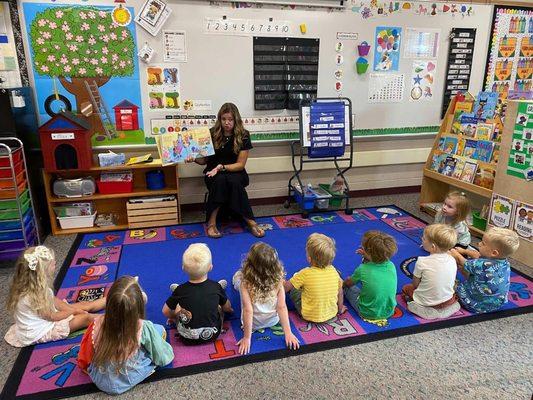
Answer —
225 176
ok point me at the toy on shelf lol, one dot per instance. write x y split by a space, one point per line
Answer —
66 143
18 226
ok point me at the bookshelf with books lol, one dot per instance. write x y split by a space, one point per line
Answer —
465 152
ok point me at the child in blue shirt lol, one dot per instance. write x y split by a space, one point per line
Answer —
487 272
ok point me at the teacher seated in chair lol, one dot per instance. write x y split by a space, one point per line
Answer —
225 176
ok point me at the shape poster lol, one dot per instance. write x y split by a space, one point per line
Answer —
510 63
520 162
422 77
72 46
387 48
523 221
501 211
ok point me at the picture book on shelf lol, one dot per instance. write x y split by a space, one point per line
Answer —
437 162
470 148
176 147
459 166
484 131
485 105
450 145
460 146
484 176
440 146
449 166
464 106
483 150
469 171
495 153
468 126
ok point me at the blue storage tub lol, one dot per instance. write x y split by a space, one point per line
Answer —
16 234
306 202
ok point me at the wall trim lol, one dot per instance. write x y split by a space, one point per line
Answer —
353 194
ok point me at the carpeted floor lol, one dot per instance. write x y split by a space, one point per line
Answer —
486 360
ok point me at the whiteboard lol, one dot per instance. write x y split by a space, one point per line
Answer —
219 68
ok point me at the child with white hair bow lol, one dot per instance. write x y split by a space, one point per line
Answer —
39 316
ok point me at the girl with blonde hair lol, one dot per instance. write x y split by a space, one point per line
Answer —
39 316
121 349
260 283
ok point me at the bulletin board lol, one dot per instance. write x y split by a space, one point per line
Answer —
202 57
512 203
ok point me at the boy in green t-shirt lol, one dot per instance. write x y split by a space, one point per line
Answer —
375 297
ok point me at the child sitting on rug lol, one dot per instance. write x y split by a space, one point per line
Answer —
431 293
454 212
198 305
375 299
41 317
316 291
260 283
121 349
488 271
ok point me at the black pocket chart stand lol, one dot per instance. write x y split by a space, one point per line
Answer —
325 136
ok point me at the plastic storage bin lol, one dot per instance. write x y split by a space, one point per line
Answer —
478 222
4 159
336 199
114 183
7 183
307 202
13 213
4 205
5 172
322 198
84 221
15 222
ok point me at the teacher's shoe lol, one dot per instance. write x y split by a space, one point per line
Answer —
213 232
256 230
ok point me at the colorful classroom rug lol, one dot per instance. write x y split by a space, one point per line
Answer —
49 370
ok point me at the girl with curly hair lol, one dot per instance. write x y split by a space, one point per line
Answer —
260 283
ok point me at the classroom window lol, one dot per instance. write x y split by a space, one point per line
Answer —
285 72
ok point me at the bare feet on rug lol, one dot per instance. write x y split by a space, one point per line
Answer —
255 229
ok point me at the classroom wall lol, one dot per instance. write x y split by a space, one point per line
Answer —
219 68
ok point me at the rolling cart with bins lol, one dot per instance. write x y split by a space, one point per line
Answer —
18 226
329 121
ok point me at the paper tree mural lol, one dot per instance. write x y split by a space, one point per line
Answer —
79 44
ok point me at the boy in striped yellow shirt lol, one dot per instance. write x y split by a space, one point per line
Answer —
316 291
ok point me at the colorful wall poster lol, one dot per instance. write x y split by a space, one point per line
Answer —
387 48
74 47
501 211
421 43
523 221
422 76
163 87
510 63
520 162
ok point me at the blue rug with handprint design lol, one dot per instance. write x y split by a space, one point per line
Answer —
96 260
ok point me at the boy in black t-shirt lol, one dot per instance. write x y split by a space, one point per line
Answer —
198 305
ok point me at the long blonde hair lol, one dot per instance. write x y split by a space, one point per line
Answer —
238 127
33 283
462 204
262 271
118 338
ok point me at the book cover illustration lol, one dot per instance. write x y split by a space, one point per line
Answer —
437 162
470 148
459 167
460 146
468 126
495 154
484 131
483 150
176 147
485 105
484 176
469 171
523 220
440 146
449 166
450 145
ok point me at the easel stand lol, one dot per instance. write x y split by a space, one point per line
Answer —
303 151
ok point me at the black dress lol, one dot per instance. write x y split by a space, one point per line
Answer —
228 188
